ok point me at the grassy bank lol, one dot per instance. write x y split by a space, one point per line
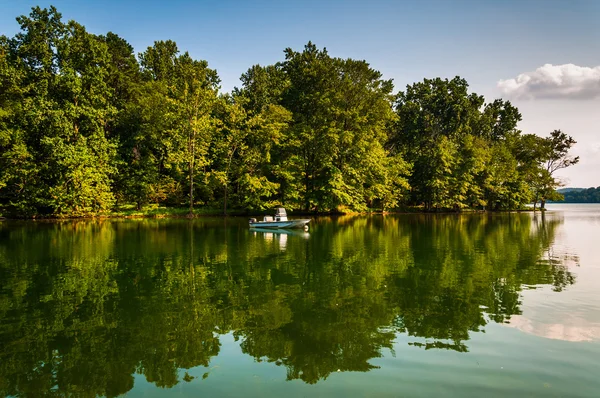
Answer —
158 211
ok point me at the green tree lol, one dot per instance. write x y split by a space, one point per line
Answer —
462 150
196 93
174 115
261 97
555 156
433 117
243 148
64 112
340 113
85 126
18 169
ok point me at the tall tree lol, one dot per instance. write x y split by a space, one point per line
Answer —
433 117
243 149
461 148
341 109
555 156
18 169
84 124
179 95
196 89
64 112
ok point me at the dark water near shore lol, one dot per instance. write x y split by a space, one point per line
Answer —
408 305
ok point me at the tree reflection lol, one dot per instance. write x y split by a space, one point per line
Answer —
86 305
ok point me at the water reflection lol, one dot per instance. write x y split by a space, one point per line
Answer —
278 235
86 305
569 327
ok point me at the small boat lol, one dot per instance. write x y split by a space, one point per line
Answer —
280 220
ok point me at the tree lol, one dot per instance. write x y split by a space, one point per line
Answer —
176 106
261 96
555 156
229 142
243 151
86 126
196 92
124 75
433 117
17 166
340 113
462 150
64 111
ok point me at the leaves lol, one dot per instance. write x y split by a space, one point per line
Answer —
86 125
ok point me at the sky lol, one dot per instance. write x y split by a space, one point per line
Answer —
542 55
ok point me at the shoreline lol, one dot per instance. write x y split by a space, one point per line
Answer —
205 214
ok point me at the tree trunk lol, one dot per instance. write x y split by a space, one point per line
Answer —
225 202
534 205
192 154
191 212
542 204
306 190
227 180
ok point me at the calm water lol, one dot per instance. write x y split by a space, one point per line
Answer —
415 305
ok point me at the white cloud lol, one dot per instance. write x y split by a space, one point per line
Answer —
553 82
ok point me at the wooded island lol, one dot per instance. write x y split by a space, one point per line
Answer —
87 126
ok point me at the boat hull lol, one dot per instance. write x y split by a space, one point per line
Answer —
280 224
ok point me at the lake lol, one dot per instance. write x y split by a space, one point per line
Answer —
398 305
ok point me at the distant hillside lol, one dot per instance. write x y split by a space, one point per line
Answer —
565 190
581 195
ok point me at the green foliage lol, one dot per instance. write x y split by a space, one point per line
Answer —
590 195
555 156
340 109
58 129
243 150
459 146
86 125
467 154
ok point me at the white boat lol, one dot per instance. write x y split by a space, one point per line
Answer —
280 220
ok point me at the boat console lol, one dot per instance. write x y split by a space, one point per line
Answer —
280 214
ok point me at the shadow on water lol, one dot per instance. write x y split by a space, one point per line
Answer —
86 305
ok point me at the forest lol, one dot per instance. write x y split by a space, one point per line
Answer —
88 126
589 195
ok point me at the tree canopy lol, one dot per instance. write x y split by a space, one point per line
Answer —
589 195
86 126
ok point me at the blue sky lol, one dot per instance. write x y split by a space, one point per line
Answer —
482 41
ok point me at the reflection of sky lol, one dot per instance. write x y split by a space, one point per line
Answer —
574 313
571 315
559 326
